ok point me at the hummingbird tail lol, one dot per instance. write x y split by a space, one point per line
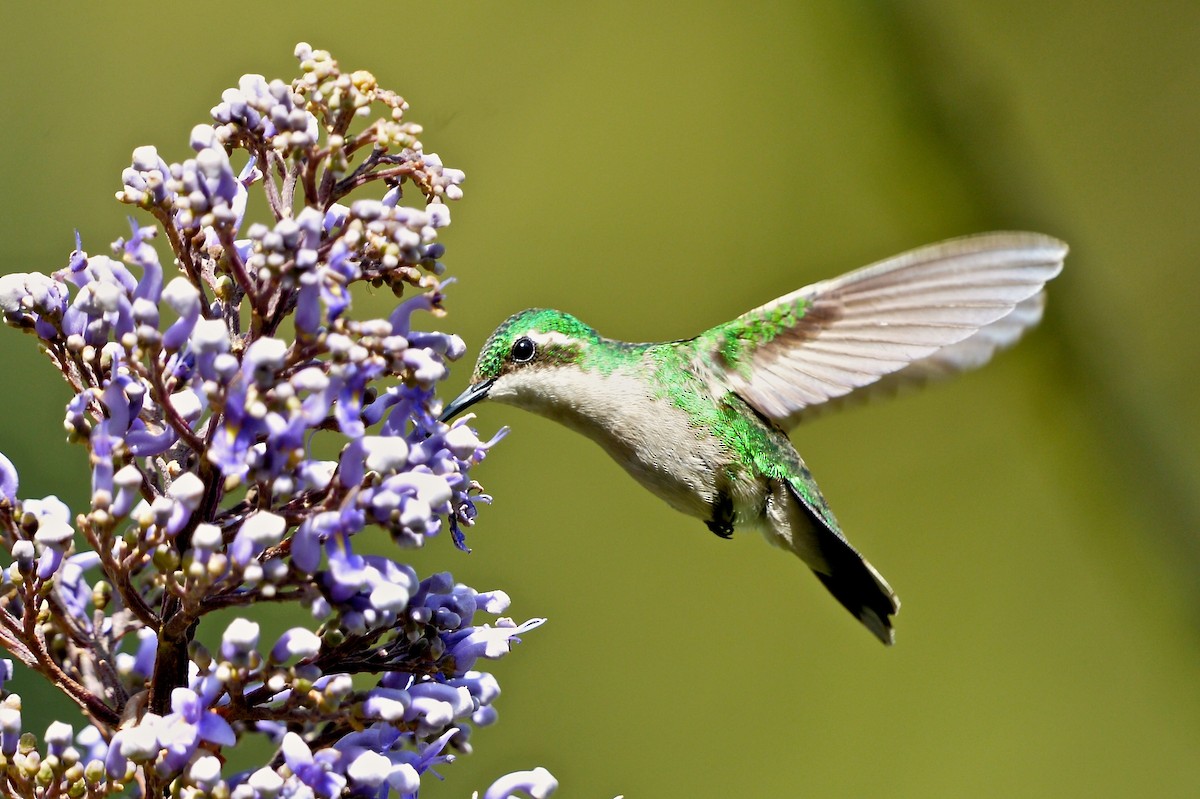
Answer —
846 574
863 592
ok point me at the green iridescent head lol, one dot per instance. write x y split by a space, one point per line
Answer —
536 335
533 339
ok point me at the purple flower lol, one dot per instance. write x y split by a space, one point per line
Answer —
191 723
184 299
239 641
257 532
58 738
538 783
142 663
489 642
243 425
10 729
298 642
52 521
8 480
71 588
319 771
33 299
205 772
145 181
434 706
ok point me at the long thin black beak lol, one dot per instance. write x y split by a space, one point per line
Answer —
472 395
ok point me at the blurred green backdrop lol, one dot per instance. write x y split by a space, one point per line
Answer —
656 169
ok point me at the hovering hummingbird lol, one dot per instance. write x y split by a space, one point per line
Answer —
701 421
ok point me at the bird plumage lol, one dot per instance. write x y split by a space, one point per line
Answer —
837 336
700 422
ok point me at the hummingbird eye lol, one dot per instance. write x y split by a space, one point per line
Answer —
523 350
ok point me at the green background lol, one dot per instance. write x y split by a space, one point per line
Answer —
657 169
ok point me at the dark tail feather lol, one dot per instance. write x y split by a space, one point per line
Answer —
794 523
857 585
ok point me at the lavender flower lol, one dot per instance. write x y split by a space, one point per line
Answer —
197 395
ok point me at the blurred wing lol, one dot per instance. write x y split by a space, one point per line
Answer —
970 353
930 312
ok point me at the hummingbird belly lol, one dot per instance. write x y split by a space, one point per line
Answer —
663 446
693 477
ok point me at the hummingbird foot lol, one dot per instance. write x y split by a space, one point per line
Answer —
721 522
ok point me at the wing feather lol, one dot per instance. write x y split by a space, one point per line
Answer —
928 313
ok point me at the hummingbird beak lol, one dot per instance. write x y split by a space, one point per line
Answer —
472 395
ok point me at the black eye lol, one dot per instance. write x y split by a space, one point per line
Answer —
523 350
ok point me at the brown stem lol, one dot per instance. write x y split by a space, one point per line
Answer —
47 666
311 194
289 185
13 643
263 157
183 254
125 589
238 269
356 180
179 624
177 422
235 599
363 139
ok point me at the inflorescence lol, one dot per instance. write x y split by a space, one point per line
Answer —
201 396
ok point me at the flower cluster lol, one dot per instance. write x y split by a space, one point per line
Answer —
202 397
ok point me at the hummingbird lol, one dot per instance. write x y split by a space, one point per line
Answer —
702 422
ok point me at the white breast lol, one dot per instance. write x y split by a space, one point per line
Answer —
652 439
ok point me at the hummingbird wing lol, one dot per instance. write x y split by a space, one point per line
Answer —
930 312
970 353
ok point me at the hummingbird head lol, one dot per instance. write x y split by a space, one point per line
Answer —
518 357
